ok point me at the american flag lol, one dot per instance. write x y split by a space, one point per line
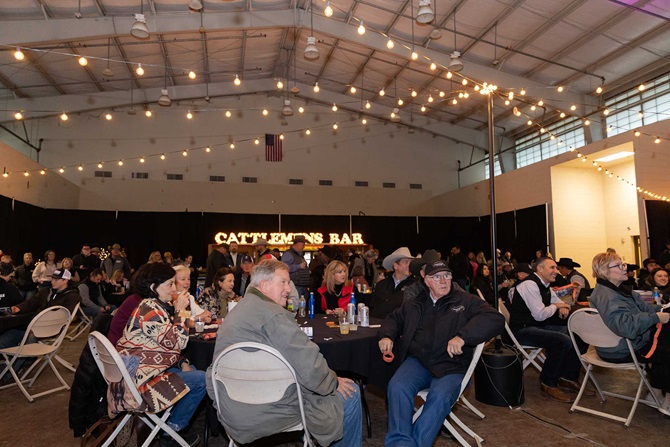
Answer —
273 148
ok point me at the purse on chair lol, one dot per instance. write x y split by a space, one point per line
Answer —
133 434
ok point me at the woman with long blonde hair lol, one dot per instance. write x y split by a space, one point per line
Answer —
336 289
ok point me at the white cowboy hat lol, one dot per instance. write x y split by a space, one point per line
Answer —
401 253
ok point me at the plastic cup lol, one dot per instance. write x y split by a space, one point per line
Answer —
344 328
199 326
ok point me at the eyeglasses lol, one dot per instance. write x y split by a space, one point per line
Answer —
438 278
622 266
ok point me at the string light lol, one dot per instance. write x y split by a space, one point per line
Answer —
368 105
237 81
530 122
390 44
642 87
148 114
43 172
265 112
257 141
142 160
657 140
414 94
454 101
430 98
80 168
587 122
433 66
532 108
108 116
540 103
61 170
606 112
120 162
599 90
637 133
352 89
507 102
308 132
640 114
140 70
18 116
228 114
464 82
209 149
442 94
280 85
64 117
449 75
560 89
18 54
573 107
185 153
364 121
328 12
414 55
5 174
26 174
301 109
100 165
232 145
334 108
281 136
382 92
400 101
335 126
361 28
162 156
423 108
316 87
523 92
83 61
189 115
191 74
562 115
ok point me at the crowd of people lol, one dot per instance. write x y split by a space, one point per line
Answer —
433 320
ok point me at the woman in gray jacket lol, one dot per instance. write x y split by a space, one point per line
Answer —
629 317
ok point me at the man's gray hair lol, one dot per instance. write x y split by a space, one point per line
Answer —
265 271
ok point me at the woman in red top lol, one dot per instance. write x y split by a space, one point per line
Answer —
336 289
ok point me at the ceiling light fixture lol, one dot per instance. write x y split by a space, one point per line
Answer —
361 28
140 70
328 11
164 99
425 13
287 110
195 5
311 52
148 113
390 44
456 65
237 80
139 30
18 54
18 116
316 87
83 61
191 74
352 90
108 71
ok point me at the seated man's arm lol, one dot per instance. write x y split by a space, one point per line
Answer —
484 323
85 297
392 328
530 294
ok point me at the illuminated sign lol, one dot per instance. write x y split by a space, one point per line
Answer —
287 238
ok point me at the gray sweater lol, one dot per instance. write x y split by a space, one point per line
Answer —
627 316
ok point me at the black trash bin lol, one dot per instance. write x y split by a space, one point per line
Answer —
499 378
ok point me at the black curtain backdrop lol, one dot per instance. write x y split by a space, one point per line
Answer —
25 227
658 219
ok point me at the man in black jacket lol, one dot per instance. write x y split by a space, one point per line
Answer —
437 332
24 277
388 294
217 258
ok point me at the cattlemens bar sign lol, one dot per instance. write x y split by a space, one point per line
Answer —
287 238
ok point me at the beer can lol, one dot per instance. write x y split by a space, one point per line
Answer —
358 313
351 313
365 316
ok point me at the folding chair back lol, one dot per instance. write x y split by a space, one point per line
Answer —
85 323
114 370
49 326
531 354
254 373
464 384
590 327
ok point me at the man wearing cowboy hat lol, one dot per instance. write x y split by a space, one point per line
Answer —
566 267
388 294
263 250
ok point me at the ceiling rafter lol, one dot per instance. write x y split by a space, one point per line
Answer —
33 60
45 9
100 7
280 47
587 37
166 60
87 69
205 55
350 15
122 52
243 51
13 87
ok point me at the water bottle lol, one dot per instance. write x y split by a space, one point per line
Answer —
311 305
301 306
656 296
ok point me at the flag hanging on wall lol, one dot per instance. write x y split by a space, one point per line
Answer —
273 148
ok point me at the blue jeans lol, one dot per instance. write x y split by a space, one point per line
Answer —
411 378
352 432
183 410
561 361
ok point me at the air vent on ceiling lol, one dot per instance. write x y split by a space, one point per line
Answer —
295 181
217 178
388 185
325 183
415 186
361 184
105 174
141 175
249 179
175 176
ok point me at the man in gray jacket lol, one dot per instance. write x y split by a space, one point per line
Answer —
332 404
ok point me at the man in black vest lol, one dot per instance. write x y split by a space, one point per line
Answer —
388 294
533 303
566 267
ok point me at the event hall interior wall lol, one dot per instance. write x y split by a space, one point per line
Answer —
30 228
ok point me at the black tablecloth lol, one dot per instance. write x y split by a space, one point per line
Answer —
356 352
16 320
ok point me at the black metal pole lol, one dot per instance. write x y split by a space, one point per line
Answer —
492 193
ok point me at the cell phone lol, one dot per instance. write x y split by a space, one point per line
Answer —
5 310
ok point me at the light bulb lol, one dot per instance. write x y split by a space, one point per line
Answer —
281 136
237 80
599 90
542 130
301 109
507 102
449 75
108 116
280 85
466 95
162 156
99 165
637 133
400 101
191 74
148 113
442 94
328 12
18 116
334 108
640 114
540 103
208 149
560 89
606 112
189 115
642 87
5 174
530 122
657 140
228 114
382 92
430 98
352 89
533 108
308 132
464 82
83 62
141 159
265 112
120 162
335 126
390 44
316 87
523 92
42 172
61 170
573 107
361 28
80 168
414 55
510 96
257 141
476 88
140 70
423 108
552 137
368 105
414 94
454 101
185 153
587 122
364 121
18 55
232 145
433 66
562 115
64 116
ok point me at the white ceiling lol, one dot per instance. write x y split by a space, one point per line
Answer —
532 44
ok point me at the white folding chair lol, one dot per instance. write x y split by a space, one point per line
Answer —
423 394
254 373
590 327
49 327
84 324
114 370
532 355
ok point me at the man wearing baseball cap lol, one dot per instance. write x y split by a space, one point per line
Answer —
437 332
59 294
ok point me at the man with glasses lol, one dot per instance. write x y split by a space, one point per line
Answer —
436 333
533 304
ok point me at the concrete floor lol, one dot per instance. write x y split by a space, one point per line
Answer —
538 422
